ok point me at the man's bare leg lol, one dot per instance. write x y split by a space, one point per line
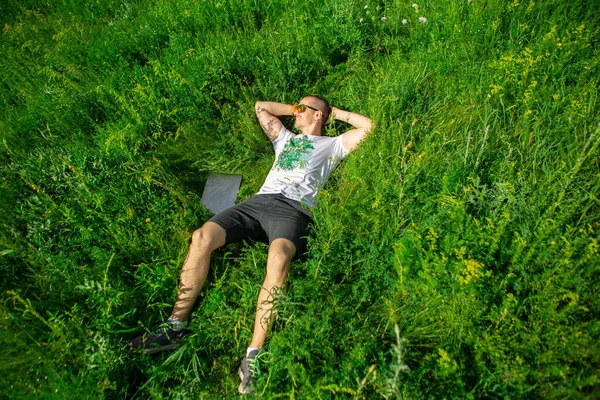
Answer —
281 253
195 268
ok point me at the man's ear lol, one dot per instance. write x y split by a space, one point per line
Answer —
318 115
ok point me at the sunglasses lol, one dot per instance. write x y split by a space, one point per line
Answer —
298 108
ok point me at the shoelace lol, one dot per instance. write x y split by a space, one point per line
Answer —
159 330
165 328
253 367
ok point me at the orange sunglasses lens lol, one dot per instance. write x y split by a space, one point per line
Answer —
298 108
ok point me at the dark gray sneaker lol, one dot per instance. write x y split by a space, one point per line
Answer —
248 373
166 337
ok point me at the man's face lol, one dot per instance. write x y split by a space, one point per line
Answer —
307 117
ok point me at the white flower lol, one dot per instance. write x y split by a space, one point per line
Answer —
415 5
366 6
423 20
404 22
361 20
383 19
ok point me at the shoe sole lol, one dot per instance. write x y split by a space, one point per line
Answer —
155 350
241 390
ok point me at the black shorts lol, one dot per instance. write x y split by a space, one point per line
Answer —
266 217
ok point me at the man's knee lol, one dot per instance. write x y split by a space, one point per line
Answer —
283 246
209 237
281 253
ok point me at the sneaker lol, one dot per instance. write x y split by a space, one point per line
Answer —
166 337
248 373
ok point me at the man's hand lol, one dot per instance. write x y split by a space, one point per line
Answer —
362 126
331 116
267 113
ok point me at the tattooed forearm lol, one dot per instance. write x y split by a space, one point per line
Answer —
347 117
269 127
267 114
266 123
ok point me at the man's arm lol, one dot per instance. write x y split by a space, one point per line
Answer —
362 126
267 113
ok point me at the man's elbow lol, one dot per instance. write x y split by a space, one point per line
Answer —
368 126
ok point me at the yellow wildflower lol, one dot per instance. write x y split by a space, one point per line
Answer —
470 272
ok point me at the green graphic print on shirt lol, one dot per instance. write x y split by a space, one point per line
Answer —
295 154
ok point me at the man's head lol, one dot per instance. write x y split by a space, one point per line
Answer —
311 114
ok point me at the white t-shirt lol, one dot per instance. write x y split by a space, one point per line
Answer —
302 165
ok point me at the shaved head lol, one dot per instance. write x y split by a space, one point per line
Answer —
321 104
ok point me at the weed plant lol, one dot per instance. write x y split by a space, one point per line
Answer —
453 255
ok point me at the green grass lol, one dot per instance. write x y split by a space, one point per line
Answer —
455 254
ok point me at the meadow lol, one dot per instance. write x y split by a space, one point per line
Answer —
454 254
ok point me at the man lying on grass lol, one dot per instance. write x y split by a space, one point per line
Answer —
279 215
